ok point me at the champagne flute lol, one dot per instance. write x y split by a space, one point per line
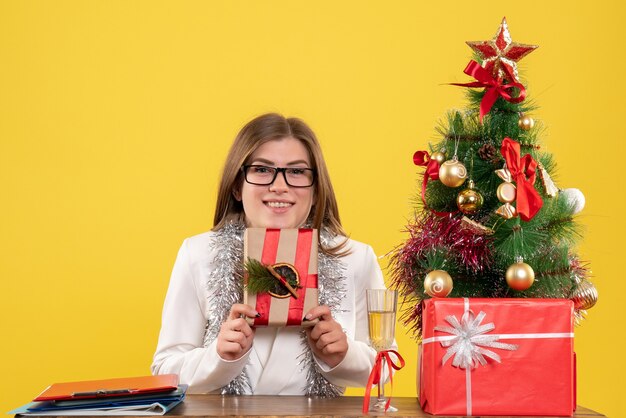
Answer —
381 312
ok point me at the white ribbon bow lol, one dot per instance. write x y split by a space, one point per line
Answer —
469 339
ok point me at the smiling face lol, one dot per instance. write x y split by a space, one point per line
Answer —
277 205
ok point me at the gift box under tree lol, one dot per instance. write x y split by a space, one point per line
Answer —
497 357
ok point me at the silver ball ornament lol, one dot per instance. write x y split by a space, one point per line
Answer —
575 198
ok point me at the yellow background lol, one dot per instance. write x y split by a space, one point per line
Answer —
115 118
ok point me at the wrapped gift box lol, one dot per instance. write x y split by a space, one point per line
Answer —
521 352
298 249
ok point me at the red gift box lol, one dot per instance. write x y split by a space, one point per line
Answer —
497 357
296 247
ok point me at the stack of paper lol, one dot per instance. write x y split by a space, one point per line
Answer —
147 395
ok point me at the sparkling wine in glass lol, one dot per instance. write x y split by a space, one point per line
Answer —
381 312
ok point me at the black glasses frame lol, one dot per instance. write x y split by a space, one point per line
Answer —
283 170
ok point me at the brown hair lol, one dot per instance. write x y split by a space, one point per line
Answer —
264 128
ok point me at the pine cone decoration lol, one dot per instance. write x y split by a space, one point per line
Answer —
488 153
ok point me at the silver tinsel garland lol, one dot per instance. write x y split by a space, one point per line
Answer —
332 290
225 288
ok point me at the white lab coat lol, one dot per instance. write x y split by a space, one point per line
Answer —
271 363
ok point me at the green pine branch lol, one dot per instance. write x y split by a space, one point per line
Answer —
261 280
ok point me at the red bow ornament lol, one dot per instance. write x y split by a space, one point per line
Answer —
495 87
422 159
522 170
377 378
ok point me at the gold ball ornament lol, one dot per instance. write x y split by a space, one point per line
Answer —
585 295
526 123
438 284
520 276
438 156
452 173
469 200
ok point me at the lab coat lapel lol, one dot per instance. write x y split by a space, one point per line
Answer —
282 362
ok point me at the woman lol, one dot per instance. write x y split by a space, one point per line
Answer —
274 177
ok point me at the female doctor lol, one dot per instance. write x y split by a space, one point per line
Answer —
274 177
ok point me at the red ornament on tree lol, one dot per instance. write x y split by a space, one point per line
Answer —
500 54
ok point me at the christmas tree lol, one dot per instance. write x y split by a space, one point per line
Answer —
490 221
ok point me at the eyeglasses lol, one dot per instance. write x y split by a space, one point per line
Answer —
262 175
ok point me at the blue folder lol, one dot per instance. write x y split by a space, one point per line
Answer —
149 404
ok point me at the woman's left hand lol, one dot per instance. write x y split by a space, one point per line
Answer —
327 339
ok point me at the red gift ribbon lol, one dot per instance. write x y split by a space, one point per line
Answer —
307 281
376 376
523 170
268 257
494 87
422 159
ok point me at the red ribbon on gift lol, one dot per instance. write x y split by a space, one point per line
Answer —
422 159
495 87
523 170
307 280
264 300
377 374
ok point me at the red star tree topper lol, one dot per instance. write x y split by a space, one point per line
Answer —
500 54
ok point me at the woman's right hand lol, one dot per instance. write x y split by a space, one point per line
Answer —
235 336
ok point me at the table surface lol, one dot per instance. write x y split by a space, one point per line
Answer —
299 406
